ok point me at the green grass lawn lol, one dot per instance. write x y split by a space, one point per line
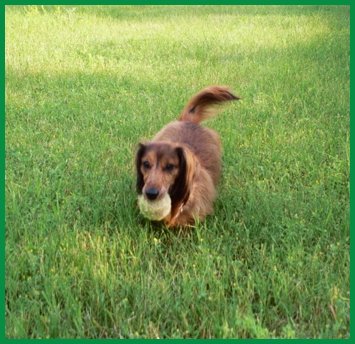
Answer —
85 84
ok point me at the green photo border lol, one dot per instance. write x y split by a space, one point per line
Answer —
3 339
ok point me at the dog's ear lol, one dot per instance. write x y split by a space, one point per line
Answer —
139 155
180 190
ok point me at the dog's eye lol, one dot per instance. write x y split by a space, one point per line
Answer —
169 167
146 164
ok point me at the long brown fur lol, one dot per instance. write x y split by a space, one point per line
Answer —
184 159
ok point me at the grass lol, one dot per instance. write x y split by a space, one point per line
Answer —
85 84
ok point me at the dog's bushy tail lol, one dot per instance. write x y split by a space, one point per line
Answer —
204 104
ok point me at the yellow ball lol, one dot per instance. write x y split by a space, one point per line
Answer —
155 210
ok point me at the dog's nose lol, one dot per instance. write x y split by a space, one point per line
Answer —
152 193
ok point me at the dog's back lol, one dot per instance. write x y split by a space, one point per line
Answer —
203 142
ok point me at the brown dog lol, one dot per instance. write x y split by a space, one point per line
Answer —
184 160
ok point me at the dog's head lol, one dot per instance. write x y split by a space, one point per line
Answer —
164 168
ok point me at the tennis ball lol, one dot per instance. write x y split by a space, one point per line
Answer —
155 210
